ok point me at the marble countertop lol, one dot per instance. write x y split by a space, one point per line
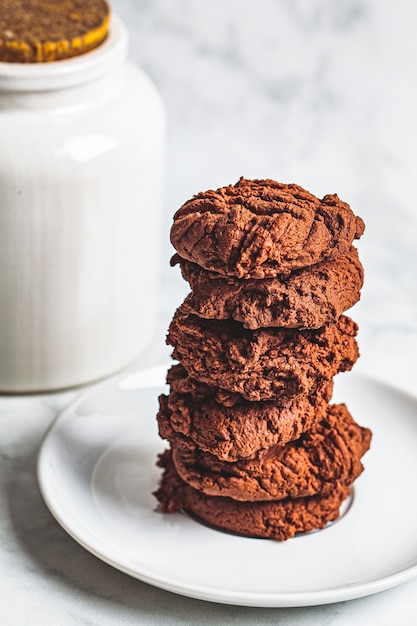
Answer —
323 94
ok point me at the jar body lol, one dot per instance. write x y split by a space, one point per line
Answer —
80 204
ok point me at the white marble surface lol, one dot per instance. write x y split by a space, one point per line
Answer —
320 93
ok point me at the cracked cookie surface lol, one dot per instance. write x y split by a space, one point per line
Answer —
278 520
262 228
264 363
329 453
308 298
228 426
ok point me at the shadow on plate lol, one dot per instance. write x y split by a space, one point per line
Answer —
58 559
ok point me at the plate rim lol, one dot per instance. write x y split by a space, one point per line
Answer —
198 591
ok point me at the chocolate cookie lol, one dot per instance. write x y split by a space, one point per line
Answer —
264 363
327 454
275 520
35 31
262 228
306 298
227 425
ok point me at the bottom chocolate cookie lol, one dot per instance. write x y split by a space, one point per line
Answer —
278 520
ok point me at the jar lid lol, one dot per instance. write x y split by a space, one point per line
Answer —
23 77
38 31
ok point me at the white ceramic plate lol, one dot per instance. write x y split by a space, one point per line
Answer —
97 471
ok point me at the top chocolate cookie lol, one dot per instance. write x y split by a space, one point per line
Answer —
262 228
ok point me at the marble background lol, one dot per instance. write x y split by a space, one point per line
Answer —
316 92
319 93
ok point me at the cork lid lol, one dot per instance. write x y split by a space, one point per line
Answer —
38 31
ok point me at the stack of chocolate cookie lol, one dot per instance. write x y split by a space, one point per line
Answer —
255 446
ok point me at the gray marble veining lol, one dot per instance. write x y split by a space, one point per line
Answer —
319 93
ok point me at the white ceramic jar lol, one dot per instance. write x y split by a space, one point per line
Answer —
81 160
